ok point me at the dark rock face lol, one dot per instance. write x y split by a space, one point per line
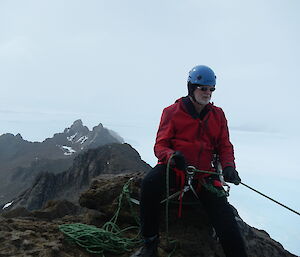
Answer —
21 161
25 233
108 159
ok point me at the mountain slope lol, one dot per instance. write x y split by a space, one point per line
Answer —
21 160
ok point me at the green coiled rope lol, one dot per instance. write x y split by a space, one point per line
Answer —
108 238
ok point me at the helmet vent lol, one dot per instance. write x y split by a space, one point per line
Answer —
199 77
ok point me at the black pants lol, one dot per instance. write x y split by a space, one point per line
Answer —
153 188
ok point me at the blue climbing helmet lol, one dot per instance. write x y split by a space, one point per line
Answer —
200 75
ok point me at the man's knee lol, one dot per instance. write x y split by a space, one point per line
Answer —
154 181
154 178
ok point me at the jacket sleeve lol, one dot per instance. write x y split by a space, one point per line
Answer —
225 148
165 133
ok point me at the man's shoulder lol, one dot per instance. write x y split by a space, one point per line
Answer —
173 106
215 108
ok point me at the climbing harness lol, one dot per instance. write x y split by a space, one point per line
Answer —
188 177
108 238
190 174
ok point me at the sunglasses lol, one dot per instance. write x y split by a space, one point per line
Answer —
211 89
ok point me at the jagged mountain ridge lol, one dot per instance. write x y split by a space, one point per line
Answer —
79 137
15 151
21 160
108 159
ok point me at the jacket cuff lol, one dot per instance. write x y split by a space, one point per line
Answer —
228 164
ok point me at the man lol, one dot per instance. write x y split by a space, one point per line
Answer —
191 132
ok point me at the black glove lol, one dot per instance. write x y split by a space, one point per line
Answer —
231 175
179 160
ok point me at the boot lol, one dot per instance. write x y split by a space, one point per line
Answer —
149 249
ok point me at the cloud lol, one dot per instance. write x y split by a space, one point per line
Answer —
16 49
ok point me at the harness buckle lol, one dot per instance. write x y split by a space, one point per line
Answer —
190 173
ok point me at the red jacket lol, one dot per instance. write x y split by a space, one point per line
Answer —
196 136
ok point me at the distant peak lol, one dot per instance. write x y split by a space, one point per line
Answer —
7 135
18 136
77 123
12 136
76 126
98 128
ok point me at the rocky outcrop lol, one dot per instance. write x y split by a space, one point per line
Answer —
21 161
32 234
108 159
193 232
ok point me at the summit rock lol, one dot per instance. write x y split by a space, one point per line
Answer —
36 233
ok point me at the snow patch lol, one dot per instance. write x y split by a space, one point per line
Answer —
67 150
7 205
82 139
70 138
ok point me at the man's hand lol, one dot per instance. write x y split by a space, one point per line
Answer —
231 175
179 160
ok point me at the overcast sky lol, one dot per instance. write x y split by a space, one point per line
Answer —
121 62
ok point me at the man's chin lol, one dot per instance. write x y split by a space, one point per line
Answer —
204 102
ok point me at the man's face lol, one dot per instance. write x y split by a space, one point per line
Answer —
203 94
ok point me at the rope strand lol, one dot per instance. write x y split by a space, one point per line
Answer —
256 191
290 209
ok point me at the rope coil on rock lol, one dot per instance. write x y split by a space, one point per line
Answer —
108 238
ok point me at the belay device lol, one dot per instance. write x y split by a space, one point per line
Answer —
190 174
